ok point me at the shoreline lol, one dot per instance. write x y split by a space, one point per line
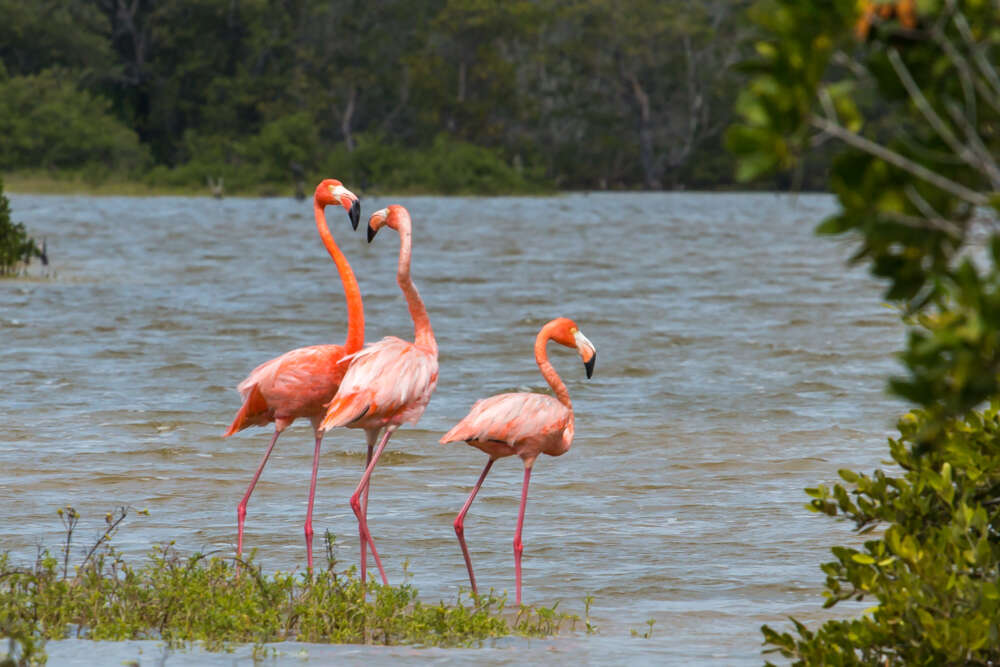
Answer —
44 183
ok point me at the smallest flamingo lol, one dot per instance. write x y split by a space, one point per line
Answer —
525 424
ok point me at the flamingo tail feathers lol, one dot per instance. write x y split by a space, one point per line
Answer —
458 433
253 412
344 409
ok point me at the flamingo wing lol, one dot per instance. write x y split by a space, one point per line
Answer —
511 418
297 384
391 380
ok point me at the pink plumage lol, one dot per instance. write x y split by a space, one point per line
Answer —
522 424
301 382
388 383
297 384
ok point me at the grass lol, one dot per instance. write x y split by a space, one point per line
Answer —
221 602
73 183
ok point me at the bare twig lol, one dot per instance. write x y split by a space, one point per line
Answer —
827 102
967 154
916 222
977 53
987 163
932 218
112 523
966 72
69 517
854 139
857 69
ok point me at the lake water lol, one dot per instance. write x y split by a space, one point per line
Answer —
739 361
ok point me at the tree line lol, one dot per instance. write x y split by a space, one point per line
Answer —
442 95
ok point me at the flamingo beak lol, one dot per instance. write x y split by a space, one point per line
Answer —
376 221
349 201
355 213
587 352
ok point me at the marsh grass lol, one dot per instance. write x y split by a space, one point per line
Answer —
45 182
220 602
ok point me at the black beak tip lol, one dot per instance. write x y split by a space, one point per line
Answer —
371 233
589 365
355 214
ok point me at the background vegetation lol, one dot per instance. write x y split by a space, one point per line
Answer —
908 93
439 95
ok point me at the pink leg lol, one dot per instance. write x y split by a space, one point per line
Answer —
371 435
518 546
356 506
309 507
241 509
460 528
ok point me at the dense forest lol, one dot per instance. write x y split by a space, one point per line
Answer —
436 95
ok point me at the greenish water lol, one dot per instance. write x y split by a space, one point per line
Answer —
739 362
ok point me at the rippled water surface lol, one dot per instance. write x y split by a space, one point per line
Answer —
739 362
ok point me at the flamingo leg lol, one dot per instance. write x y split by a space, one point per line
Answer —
309 507
372 437
241 509
518 546
460 528
356 506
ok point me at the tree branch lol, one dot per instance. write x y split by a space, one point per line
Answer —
932 218
856 140
965 71
925 108
983 155
977 54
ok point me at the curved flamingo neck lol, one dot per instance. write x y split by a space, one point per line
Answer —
355 310
548 372
423 335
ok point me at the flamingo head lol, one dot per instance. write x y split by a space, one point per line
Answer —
331 191
394 216
565 332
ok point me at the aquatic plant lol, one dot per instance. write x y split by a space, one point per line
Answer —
222 601
16 248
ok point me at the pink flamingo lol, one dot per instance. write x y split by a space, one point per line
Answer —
525 424
388 383
301 382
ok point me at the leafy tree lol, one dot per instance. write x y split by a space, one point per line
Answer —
659 77
47 122
280 143
641 88
39 35
911 94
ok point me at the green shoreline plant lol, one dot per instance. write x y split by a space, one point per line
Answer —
908 93
16 248
221 602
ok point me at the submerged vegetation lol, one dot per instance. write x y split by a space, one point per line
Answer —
221 602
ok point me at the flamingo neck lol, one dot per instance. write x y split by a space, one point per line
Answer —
422 333
355 310
548 372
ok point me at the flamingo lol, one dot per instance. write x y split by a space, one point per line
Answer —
301 382
525 424
389 382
